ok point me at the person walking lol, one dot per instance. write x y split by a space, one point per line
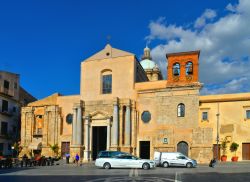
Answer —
67 158
77 158
212 163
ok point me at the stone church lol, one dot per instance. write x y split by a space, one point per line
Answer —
126 105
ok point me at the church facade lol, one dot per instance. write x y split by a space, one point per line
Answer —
125 105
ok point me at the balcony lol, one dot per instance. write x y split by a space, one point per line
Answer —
6 113
8 136
8 92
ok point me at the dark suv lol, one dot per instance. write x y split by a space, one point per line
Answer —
109 154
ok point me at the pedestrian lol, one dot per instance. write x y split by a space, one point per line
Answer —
77 159
24 160
212 163
67 158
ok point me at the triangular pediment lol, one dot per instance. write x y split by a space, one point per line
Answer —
99 115
109 52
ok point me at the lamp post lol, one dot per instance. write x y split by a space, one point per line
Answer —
217 137
12 147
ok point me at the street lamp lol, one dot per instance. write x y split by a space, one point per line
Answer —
12 147
217 137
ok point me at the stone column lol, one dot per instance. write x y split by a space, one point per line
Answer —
74 132
127 125
79 126
115 125
108 134
86 138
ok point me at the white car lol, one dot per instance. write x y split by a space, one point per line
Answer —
167 159
124 161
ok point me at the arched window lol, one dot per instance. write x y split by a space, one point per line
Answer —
181 110
189 68
106 82
176 69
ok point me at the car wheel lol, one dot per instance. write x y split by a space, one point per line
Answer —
106 165
145 166
165 164
189 165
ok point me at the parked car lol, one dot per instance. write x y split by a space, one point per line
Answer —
109 154
124 161
167 159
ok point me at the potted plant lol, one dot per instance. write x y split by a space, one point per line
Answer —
224 150
55 149
234 146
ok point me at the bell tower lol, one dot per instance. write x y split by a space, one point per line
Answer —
183 67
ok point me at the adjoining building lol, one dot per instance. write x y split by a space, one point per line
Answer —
12 98
125 105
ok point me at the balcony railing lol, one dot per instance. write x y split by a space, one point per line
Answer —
7 113
9 92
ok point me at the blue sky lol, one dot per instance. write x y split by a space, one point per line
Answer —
45 40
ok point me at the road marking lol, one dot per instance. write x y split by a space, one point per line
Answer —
176 177
136 173
133 173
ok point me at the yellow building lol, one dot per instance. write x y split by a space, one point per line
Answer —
125 105
12 98
228 114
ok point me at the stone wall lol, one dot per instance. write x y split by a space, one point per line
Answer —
162 104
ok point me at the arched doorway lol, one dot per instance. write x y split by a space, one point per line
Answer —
182 147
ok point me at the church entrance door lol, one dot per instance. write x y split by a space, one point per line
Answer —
99 140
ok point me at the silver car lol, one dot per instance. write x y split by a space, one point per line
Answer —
124 161
167 159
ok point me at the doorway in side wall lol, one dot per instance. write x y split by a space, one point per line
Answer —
182 147
145 149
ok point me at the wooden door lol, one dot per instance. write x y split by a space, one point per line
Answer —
65 148
182 147
215 152
245 151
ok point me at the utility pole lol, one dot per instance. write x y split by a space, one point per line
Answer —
217 137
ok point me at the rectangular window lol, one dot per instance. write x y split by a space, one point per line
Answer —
204 116
5 106
248 114
6 84
4 128
15 85
107 84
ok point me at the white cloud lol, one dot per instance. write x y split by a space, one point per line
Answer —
209 14
223 44
232 8
233 86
